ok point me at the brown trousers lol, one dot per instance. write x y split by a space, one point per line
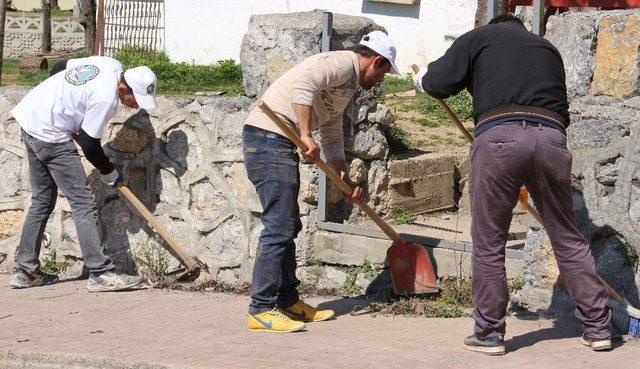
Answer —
504 158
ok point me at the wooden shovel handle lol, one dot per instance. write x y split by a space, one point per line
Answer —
449 112
186 259
469 138
335 177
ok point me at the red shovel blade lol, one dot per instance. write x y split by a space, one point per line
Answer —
411 269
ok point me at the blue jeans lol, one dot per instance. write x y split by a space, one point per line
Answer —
271 161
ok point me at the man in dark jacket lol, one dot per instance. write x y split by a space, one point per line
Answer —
520 108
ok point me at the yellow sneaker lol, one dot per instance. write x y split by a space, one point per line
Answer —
273 321
304 312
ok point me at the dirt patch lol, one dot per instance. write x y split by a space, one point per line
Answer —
10 223
426 136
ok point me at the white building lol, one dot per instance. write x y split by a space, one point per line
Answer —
209 30
205 31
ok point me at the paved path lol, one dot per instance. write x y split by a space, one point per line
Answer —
64 326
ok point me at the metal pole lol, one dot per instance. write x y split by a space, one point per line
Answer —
538 17
492 9
327 29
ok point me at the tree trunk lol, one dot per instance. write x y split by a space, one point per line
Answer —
46 26
33 63
3 17
88 21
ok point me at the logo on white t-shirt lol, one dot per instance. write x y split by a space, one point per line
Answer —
81 74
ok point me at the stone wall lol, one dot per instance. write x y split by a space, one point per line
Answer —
601 51
184 161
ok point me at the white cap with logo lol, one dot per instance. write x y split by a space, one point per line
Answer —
143 82
380 42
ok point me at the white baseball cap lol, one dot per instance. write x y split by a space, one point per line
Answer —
380 42
143 82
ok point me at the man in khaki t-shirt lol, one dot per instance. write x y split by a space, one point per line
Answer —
312 94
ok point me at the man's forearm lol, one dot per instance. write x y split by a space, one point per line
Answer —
304 113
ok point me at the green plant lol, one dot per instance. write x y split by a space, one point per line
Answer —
456 291
367 270
630 252
182 77
454 296
397 138
313 261
516 284
396 84
402 216
50 264
152 260
439 309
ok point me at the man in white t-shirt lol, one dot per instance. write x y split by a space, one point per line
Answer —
75 104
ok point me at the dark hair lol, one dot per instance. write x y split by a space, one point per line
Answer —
509 17
129 89
368 53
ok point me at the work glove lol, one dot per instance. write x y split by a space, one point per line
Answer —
417 78
112 179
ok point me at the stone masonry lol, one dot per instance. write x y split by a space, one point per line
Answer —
184 161
601 51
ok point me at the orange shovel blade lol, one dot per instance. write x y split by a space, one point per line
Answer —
411 269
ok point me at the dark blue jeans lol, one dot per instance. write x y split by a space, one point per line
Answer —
271 161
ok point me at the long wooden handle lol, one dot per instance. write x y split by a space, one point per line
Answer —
534 213
612 293
469 138
455 120
344 187
186 259
449 112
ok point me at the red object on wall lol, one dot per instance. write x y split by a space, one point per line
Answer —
609 4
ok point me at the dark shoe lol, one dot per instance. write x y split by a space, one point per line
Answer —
489 346
597 344
23 279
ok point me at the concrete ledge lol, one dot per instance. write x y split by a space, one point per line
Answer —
421 184
349 249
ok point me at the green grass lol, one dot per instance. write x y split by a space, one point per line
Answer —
182 78
395 84
11 71
402 216
426 122
455 295
55 13
397 138
433 116
431 113
367 270
630 252
173 78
